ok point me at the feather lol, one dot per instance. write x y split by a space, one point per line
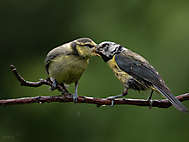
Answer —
143 72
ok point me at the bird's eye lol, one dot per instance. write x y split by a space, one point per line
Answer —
105 45
89 45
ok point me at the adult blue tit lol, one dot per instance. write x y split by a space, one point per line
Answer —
135 72
66 63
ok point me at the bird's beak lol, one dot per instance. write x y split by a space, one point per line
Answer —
94 51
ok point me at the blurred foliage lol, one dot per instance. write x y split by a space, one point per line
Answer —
158 30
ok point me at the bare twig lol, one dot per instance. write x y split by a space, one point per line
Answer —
91 100
81 99
41 82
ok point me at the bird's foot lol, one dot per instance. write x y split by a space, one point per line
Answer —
75 98
149 100
112 98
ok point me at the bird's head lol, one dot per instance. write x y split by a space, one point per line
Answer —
84 47
108 49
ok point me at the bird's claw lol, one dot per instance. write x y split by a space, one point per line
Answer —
112 103
112 100
75 98
150 103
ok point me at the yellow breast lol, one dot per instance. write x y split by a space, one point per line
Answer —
121 75
67 68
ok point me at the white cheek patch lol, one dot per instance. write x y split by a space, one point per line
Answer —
125 49
112 49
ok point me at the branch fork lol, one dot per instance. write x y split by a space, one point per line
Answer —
66 97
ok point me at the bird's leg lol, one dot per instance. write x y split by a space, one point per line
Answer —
125 92
150 99
75 96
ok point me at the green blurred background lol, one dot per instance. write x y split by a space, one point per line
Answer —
158 30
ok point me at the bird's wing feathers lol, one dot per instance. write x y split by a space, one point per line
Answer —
142 71
67 50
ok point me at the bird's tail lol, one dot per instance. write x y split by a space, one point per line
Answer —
175 102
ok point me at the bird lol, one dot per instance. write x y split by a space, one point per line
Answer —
135 72
66 63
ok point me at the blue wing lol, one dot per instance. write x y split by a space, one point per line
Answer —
143 72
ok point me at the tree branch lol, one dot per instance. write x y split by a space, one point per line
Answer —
66 97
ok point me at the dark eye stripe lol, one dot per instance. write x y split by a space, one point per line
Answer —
106 49
89 45
104 45
119 48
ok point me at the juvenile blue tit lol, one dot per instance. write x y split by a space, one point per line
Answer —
135 72
66 63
